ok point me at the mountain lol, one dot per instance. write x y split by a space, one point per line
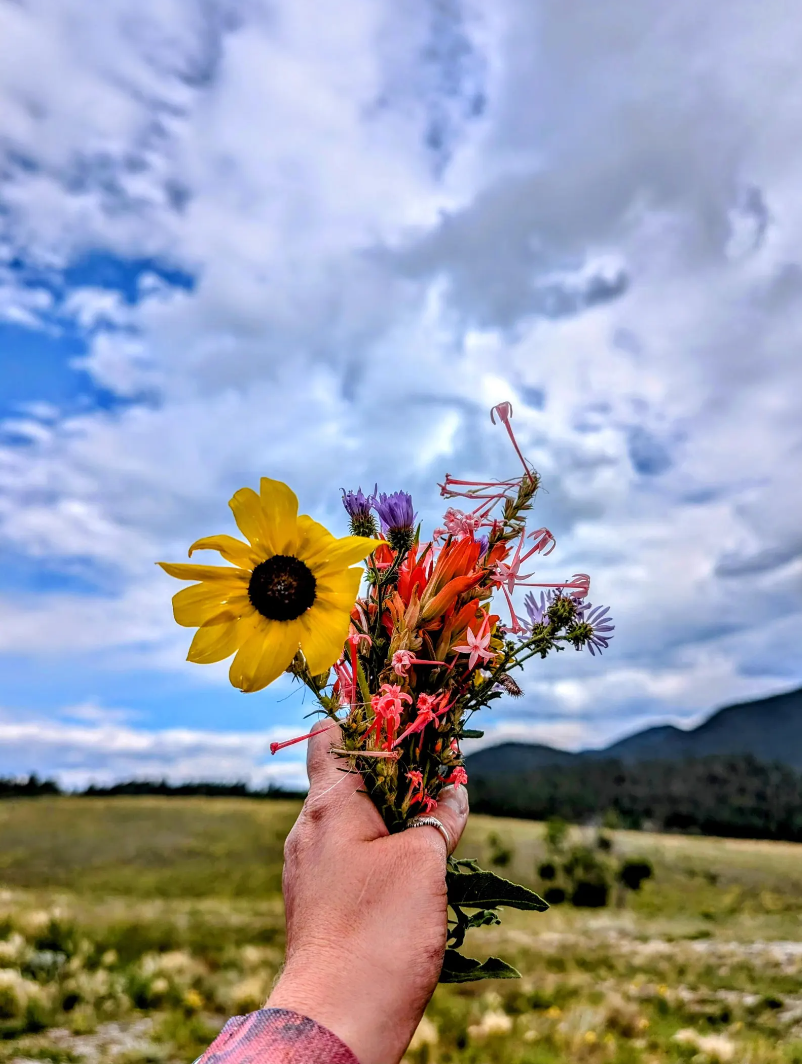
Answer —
769 729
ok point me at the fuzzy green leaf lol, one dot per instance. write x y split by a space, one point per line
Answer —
454 864
471 733
459 969
484 918
486 890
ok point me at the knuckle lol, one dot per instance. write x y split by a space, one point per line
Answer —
315 811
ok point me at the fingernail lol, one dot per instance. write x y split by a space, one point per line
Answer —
456 798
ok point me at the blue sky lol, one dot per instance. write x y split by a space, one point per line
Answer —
317 242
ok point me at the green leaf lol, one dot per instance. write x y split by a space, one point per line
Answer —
484 918
459 969
471 733
464 862
364 689
485 890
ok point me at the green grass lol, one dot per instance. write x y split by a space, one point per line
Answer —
130 928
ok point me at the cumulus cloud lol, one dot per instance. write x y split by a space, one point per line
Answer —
94 745
386 221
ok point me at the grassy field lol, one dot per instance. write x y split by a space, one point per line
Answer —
131 928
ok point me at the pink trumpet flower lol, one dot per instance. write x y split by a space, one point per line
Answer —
403 660
459 777
504 411
345 678
275 747
579 584
508 574
478 645
354 639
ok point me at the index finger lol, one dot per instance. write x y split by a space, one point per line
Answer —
336 790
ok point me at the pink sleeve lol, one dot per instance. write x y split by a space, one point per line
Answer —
276 1036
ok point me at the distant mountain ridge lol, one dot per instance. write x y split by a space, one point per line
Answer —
769 729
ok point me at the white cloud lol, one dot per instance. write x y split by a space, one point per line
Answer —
609 238
102 749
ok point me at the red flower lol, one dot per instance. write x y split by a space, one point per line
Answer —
458 777
416 792
387 709
429 707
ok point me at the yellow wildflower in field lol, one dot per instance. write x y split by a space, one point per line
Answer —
289 587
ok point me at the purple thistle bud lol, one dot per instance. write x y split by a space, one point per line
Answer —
397 517
358 506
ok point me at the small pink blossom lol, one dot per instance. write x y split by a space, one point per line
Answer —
402 662
478 645
459 777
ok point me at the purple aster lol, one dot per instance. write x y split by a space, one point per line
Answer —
536 609
601 625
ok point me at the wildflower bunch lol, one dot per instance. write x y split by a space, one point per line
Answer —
416 649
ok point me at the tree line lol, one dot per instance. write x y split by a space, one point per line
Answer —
735 796
33 787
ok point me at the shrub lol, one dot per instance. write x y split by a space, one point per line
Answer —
633 872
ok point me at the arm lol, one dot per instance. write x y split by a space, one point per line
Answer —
366 929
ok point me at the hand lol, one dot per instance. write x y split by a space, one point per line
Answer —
366 911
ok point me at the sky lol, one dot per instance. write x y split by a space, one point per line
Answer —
317 241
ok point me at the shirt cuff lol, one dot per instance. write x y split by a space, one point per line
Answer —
276 1036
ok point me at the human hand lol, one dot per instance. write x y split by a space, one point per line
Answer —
366 911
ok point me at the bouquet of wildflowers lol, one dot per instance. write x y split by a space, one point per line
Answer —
412 639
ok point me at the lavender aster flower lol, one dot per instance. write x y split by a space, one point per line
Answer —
536 609
397 518
598 627
358 506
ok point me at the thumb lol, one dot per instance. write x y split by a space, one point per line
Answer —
452 812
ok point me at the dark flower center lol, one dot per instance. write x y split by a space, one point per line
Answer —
282 588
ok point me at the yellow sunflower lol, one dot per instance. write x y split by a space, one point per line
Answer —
291 587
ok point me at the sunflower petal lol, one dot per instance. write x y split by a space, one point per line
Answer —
340 589
194 606
216 642
252 521
209 573
265 655
324 632
280 505
340 553
312 538
233 550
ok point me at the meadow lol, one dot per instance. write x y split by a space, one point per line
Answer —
130 928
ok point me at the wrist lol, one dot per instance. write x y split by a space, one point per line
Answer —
328 993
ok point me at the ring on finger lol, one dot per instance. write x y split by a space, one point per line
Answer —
431 822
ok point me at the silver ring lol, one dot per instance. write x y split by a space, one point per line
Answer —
431 822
